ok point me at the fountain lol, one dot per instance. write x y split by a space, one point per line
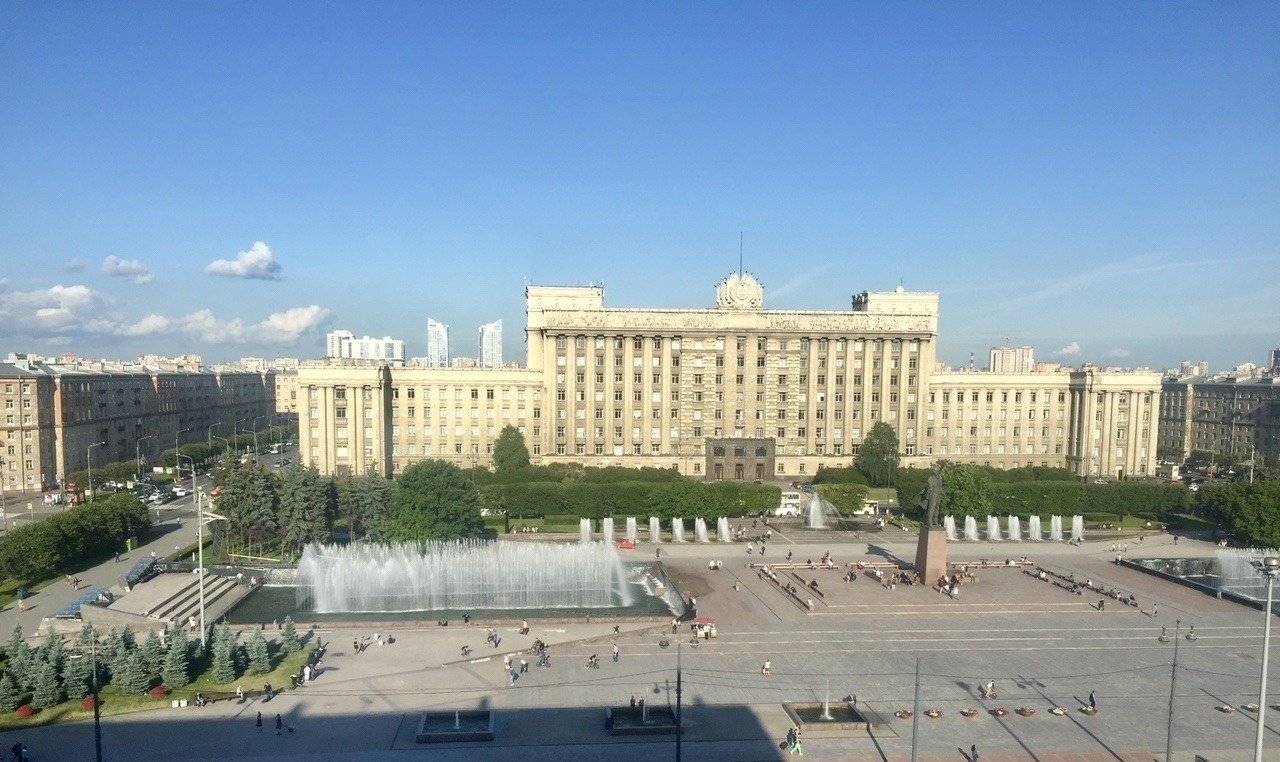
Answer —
584 530
606 528
700 530
631 528
949 524
1055 528
655 529
677 530
461 725
993 528
467 575
1077 528
1237 573
816 519
1015 529
1033 533
722 529
970 529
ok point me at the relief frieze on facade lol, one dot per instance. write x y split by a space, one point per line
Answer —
629 321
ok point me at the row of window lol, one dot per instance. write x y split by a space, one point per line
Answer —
762 344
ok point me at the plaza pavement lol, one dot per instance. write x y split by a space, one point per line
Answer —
1040 644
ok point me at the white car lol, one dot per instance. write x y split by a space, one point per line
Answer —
180 491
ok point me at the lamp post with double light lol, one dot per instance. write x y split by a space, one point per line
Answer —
1173 678
137 455
664 643
1270 568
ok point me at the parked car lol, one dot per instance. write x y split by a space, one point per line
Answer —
180 491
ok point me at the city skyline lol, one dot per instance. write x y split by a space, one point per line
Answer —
1099 186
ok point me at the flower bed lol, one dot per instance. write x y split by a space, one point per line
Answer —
999 712
969 712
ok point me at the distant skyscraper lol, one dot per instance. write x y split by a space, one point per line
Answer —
1275 361
333 342
1191 369
491 345
1013 360
437 344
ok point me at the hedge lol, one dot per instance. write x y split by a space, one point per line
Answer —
670 498
1065 498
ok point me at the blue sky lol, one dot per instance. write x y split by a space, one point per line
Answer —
1099 180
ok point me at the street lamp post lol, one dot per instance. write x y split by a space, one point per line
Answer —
93 682
176 435
1270 568
211 428
1173 679
88 459
137 454
664 643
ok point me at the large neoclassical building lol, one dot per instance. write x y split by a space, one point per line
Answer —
734 391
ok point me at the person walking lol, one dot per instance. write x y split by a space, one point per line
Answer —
1155 610
973 753
259 722
796 748
767 668
615 653
1093 700
524 666
279 723
657 552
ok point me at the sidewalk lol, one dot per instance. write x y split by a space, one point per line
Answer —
44 603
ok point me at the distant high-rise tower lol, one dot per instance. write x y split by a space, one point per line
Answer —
491 345
1275 360
1013 360
437 344
333 342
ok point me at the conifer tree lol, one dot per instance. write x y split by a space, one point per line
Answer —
10 694
47 689
224 655
259 654
289 642
19 656
176 671
131 677
152 651
77 674
53 650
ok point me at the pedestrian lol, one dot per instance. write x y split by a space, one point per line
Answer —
496 640
21 597
117 556
751 548
506 662
788 556
762 547
1093 700
306 674
615 653
513 675
1155 610
675 624
657 552
633 701
355 645
796 748
259 722
767 668
973 753
1175 539
524 666
279 723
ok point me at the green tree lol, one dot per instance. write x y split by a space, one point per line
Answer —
966 491
304 507
20 657
433 500
1248 511
370 505
224 655
289 642
176 671
152 651
77 673
47 689
878 455
10 693
509 451
131 676
259 653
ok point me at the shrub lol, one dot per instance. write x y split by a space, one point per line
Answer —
157 692
87 703
25 711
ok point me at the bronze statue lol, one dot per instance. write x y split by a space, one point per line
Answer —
931 497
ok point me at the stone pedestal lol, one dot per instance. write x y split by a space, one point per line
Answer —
931 554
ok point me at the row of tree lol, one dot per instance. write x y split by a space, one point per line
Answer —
51 672
62 542
1250 512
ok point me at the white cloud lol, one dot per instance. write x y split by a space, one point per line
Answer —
131 269
75 265
256 263
1070 350
151 324
1119 354
278 328
48 309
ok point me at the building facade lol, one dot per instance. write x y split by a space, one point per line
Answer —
64 415
344 345
1230 418
734 391
1012 360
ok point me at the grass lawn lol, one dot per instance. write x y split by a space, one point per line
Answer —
115 703
10 586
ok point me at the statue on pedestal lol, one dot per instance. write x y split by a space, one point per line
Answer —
931 497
